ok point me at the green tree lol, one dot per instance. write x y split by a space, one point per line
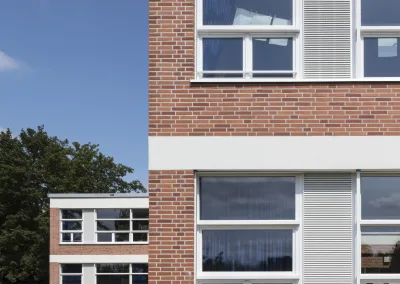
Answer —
31 166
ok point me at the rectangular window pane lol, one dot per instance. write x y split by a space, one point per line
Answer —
140 213
380 198
119 237
381 57
247 250
113 225
71 214
72 279
71 268
77 237
140 225
140 268
139 279
112 268
223 54
380 12
71 225
380 250
113 214
273 54
66 237
248 12
140 237
112 279
104 237
247 198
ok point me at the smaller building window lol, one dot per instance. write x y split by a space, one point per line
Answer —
71 273
122 225
122 273
71 226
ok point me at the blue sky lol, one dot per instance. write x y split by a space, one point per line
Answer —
79 67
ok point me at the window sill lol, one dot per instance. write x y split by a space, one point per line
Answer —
247 276
101 244
290 80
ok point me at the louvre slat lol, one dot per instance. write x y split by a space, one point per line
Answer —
327 229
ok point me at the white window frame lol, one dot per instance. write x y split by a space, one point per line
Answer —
247 32
130 231
371 278
71 232
252 277
130 273
70 274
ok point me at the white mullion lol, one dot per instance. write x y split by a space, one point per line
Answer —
247 56
358 264
130 273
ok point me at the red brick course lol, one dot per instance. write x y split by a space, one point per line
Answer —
172 213
54 273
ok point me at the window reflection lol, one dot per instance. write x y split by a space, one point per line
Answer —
381 57
380 12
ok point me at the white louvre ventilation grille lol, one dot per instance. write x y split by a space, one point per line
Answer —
327 39
327 229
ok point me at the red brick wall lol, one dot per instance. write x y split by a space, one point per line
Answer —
171 246
54 273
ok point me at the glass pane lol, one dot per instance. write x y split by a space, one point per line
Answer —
380 249
140 225
380 198
104 237
71 268
113 225
112 268
247 250
272 54
381 57
113 214
77 237
140 268
247 198
122 237
71 279
140 237
66 237
223 54
139 279
112 279
72 225
140 213
380 12
247 12
71 214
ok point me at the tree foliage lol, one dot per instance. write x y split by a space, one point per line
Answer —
31 166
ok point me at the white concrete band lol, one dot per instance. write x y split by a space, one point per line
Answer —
138 258
98 203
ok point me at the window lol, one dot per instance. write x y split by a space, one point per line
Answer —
122 225
71 226
247 39
380 229
122 273
71 273
248 228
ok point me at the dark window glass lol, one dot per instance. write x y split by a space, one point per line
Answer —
72 279
380 250
380 12
247 250
113 225
381 57
273 54
140 237
71 268
112 279
113 214
140 225
104 237
140 213
66 237
122 237
112 268
223 54
72 225
380 198
247 198
71 214
77 237
247 12
139 279
140 268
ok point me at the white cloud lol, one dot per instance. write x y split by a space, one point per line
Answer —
8 63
